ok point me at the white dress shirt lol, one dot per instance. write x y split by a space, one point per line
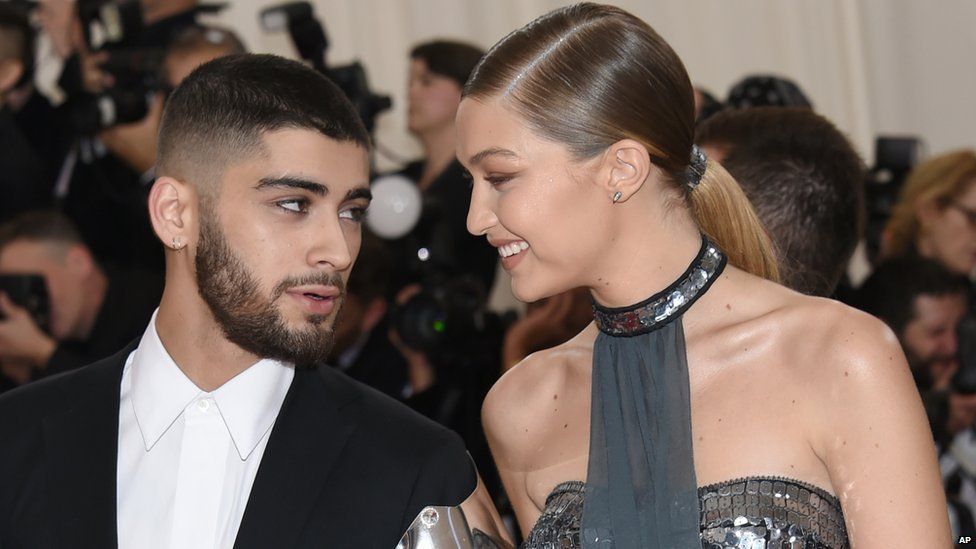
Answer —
187 458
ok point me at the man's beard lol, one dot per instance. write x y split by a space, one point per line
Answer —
247 318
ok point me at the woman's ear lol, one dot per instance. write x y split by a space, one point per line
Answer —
171 210
927 212
625 167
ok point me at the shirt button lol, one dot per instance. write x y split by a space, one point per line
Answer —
203 405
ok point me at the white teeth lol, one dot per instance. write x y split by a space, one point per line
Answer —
513 248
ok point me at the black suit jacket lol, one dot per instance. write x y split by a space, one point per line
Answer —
345 466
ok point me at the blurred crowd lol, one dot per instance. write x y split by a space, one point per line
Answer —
76 241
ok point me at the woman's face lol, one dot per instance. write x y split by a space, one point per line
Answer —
531 198
432 99
949 234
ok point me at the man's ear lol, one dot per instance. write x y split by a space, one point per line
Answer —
624 168
10 72
172 210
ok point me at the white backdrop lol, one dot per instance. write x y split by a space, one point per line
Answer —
871 66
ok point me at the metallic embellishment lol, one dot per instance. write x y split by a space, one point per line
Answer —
697 165
616 196
664 306
752 512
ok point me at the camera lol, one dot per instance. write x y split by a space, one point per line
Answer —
29 292
444 318
308 36
115 27
894 159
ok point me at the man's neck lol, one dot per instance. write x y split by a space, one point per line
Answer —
194 340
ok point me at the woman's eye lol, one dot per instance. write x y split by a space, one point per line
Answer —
498 179
297 205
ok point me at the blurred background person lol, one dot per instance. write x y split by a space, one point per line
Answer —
94 311
762 90
361 348
924 304
935 216
25 182
439 245
805 181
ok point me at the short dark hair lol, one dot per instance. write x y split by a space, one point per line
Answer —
454 60
220 111
805 181
890 292
17 40
40 226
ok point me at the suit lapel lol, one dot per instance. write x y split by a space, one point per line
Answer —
305 444
82 454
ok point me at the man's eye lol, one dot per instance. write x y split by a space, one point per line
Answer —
353 214
298 205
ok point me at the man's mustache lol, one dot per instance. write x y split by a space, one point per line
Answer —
312 279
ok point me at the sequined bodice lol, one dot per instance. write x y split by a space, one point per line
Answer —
748 513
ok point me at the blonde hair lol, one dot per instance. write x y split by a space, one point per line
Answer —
938 181
588 76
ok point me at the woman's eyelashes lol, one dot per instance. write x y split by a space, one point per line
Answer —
493 179
355 214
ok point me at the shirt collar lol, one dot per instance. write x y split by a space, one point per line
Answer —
248 403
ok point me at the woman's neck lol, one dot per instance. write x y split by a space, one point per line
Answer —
648 254
439 151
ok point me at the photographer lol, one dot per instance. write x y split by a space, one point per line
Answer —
924 305
440 241
24 183
94 311
362 349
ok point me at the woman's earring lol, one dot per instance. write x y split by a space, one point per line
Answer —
177 245
616 196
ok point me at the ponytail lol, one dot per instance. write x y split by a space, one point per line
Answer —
725 215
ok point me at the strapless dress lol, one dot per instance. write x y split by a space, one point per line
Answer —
760 512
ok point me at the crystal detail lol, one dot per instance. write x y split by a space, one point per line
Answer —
666 305
429 517
726 522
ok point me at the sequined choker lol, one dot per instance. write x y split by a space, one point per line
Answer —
668 304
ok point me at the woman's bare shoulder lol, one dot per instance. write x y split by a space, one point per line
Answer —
517 410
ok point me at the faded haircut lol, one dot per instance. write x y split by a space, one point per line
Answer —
218 114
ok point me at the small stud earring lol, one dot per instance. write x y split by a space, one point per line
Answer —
616 196
177 245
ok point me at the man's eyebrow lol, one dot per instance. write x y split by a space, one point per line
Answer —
493 151
360 192
293 183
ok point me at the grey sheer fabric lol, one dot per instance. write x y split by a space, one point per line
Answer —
641 487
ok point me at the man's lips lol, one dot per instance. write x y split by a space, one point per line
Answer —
319 300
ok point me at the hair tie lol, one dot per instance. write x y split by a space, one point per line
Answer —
696 168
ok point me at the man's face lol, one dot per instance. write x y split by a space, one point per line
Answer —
278 241
929 337
65 271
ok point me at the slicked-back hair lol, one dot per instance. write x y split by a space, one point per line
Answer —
805 181
587 76
219 113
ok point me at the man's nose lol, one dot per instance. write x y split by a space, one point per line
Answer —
329 245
